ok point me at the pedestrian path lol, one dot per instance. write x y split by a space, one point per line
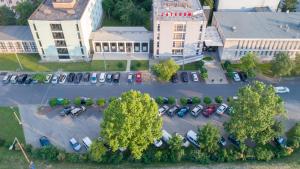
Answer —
128 65
216 74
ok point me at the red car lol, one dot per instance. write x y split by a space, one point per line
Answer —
209 111
138 77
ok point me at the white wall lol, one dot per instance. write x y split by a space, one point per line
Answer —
9 3
246 5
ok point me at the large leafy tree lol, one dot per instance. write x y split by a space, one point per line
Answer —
97 151
282 65
208 137
131 122
255 113
165 69
24 9
7 16
249 64
175 147
290 5
108 7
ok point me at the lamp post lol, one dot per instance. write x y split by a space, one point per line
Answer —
11 147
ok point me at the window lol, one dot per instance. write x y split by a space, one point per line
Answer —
157 44
26 46
58 35
62 51
80 43
10 46
137 47
34 27
157 52
56 27
63 56
82 51
40 43
33 47
2 46
144 47
43 52
158 27
18 46
179 27
121 47
113 47
178 44
105 47
37 35
128 47
60 43
78 34
77 27
177 51
98 47
201 27
179 36
157 36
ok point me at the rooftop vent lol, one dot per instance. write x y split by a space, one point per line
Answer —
71 11
64 4
233 28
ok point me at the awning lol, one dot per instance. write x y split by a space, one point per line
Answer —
212 37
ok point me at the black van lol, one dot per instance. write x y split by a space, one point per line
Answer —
116 77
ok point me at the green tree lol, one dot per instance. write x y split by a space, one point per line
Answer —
165 69
24 9
77 101
207 100
175 147
290 5
282 65
196 100
219 99
296 68
183 101
172 100
97 151
255 112
159 100
53 102
7 16
131 122
108 7
39 77
89 102
101 102
249 64
294 136
208 137
263 154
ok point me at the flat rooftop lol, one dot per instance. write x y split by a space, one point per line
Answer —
259 25
177 10
47 12
114 34
12 33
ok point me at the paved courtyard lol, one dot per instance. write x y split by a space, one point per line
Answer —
216 74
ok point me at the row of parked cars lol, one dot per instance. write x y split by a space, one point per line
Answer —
61 78
184 76
206 111
72 110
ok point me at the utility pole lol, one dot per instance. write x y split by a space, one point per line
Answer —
31 165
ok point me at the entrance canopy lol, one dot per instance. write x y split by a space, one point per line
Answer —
212 37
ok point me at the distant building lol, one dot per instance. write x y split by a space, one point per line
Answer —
178 29
264 33
10 3
62 28
245 5
16 39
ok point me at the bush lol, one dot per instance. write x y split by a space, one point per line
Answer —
53 102
158 155
172 100
196 100
219 99
2 142
46 153
39 77
89 102
183 101
294 135
227 64
263 154
207 100
198 156
77 101
204 75
200 64
72 157
66 102
208 58
159 100
101 102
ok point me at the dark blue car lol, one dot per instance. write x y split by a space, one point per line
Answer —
44 141
183 111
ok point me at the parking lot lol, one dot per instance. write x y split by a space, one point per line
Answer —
60 130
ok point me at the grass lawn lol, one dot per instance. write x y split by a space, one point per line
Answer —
139 65
265 68
190 66
31 63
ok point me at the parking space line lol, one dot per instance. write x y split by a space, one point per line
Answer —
45 95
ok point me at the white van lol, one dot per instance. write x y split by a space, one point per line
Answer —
87 142
166 136
102 77
13 79
192 137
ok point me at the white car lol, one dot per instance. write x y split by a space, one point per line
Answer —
185 142
166 136
192 137
13 79
163 109
236 77
196 110
87 142
281 89
94 78
54 79
102 77
62 78
195 77
221 109
75 145
158 143
48 78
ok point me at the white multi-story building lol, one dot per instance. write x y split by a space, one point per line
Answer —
62 28
245 5
178 29
10 3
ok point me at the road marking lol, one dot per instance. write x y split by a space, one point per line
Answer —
46 93
19 61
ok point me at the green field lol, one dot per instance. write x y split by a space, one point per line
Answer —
31 63
139 65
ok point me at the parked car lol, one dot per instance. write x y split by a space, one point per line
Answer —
171 112
87 142
162 110
184 77
103 77
76 111
236 77
70 77
165 100
281 90
233 140
86 77
108 77
189 100
54 79
67 110
116 77
75 145
281 141
243 76
6 79
222 141
62 78
221 109
158 143
194 76
48 78
183 111
229 110
94 78
13 79
209 110
78 78
138 77
44 141
130 78
197 110
185 142
29 79
192 137
174 78
166 136
21 78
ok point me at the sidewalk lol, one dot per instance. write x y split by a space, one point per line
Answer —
216 74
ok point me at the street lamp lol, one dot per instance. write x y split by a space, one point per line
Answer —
18 119
11 147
